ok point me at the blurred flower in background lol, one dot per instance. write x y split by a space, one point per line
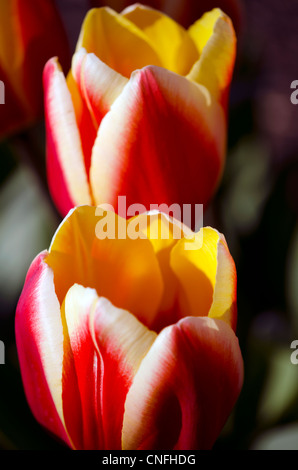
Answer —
30 33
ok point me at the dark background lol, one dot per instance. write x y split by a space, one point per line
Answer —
256 208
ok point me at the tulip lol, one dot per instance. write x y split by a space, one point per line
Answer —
26 43
142 112
129 342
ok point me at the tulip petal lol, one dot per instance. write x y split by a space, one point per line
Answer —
185 388
196 271
224 305
39 339
85 121
98 83
177 129
174 45
65 161
107 345
163 231
207 276
122 343
122 269
215 38
80 396
112 38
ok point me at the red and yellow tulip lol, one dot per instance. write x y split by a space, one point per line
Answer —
26 43
129 343
142 112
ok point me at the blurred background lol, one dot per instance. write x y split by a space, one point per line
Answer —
256 206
